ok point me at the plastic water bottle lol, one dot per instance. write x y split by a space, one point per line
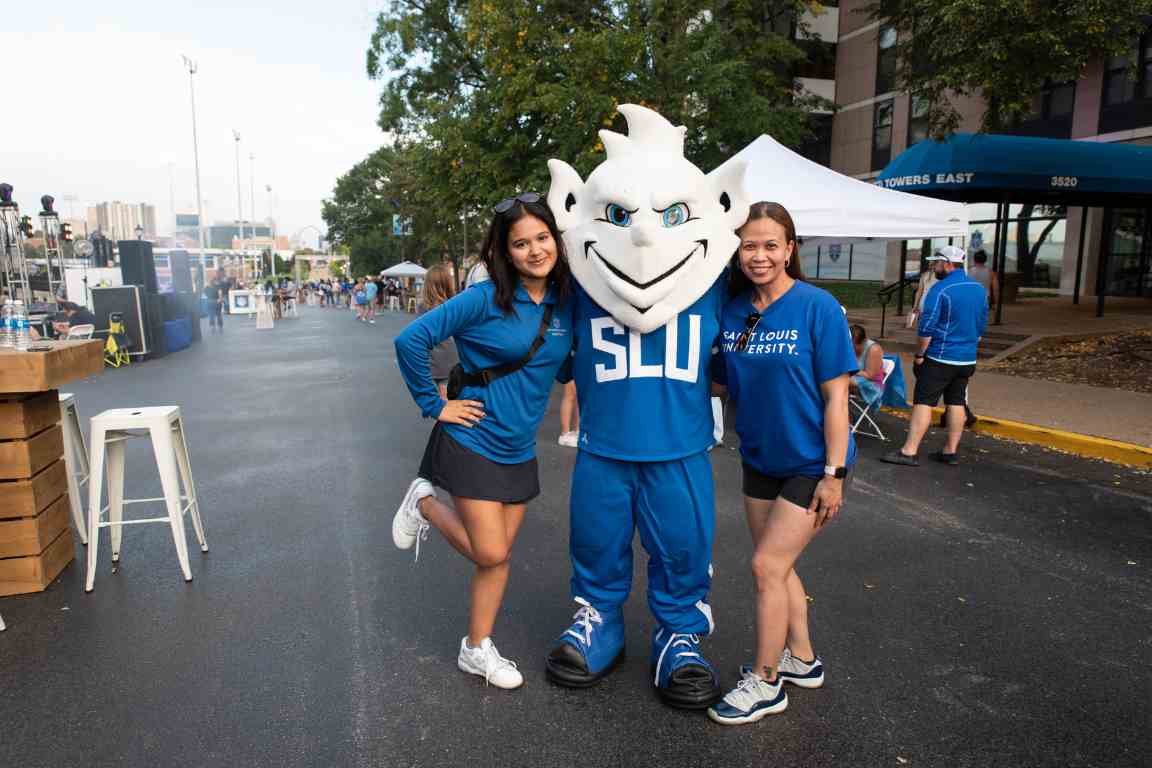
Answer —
23 337
7 322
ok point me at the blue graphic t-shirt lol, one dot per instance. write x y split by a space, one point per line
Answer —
645 397
801 340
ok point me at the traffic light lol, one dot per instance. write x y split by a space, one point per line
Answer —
66 232
26 227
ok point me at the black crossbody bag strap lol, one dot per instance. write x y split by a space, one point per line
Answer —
486 376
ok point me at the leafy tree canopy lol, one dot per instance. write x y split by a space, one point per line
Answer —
477 97
1004 50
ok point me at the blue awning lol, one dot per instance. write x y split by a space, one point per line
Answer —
996 168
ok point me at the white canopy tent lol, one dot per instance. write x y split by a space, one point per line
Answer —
828 205
404 269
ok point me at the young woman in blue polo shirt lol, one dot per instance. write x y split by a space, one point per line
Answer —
482 449
787 360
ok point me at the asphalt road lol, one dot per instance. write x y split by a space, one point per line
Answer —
992 614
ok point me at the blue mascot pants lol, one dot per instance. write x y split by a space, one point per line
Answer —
673 506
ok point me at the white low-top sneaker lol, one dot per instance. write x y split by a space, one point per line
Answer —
801 673
408 525
487 662
752 699
569 439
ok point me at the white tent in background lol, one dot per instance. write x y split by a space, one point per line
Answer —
404 269
837 208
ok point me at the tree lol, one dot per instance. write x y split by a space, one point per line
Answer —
479 95
1002 50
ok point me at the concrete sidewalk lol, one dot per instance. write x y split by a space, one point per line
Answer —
1094 412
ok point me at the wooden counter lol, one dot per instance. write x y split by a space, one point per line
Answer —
35 537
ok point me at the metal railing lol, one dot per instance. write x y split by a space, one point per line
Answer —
885 295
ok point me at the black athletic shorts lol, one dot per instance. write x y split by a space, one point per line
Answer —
798 489
466 474
934 379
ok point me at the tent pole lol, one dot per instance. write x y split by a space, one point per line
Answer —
850 247
1002 259
818 262
1080 255
903 266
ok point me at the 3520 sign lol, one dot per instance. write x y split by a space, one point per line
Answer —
1065 182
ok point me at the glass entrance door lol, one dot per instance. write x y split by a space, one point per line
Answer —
1129 256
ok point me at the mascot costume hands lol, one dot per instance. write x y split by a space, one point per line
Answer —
648 237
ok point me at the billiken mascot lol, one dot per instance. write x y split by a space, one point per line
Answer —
648 236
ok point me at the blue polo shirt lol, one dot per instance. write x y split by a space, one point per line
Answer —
486 337
645 396
801 341
955 315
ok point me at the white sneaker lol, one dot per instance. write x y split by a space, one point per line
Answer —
801 673
408 525
569 439
752 699
487 662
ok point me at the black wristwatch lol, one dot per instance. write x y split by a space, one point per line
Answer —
837 472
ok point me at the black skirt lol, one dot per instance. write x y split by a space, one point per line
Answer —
466 474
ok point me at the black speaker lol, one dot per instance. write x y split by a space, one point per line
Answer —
127 301
136 264
181 271
188 305
155 313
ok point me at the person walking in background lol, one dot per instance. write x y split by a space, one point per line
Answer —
955 315
517 331
787 361
986 277
438 289
360 296
214 293
927 280
371 291
569 417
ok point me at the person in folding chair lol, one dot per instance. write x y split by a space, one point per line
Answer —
867 387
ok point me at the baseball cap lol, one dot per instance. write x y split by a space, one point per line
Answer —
949 253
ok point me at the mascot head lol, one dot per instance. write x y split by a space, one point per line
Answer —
648 233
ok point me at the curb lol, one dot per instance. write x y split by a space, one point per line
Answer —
1070 442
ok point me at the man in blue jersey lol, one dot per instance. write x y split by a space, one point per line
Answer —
955 315
648 236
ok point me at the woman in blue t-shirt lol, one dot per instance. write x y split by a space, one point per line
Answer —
517 329
787 360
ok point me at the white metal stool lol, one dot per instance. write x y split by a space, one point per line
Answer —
75 460
110 431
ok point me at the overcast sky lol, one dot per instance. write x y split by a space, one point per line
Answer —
101 103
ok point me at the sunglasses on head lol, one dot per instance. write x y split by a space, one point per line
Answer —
506 204
750 324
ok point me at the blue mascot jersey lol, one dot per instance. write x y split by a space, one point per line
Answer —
645 397
802 340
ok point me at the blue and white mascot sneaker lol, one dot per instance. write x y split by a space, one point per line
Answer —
682 676
589 649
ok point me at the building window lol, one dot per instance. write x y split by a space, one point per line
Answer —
1051 114
818 146
917 120
886 60
1127 97
819 60
882 134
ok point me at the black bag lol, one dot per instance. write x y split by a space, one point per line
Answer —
458 378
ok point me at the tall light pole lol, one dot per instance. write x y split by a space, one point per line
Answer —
239 201
191 65
252 199
272 229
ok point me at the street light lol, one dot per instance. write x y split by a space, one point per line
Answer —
139 232
191 65
239 200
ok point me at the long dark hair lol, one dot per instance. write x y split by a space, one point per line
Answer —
502 272
738 282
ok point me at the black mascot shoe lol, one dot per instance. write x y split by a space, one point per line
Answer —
566 666
588 650
681 675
